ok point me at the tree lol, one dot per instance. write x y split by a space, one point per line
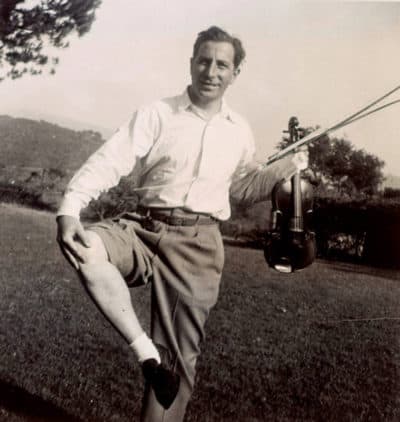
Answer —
28 31
336 164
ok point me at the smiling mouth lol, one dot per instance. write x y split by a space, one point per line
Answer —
208 84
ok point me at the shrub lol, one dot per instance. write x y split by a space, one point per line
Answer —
363 230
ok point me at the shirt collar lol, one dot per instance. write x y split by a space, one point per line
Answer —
185 103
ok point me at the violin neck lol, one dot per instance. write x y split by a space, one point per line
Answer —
297 218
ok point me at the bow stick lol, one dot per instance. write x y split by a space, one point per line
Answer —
317 134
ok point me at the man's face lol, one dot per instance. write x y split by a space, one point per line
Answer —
212 71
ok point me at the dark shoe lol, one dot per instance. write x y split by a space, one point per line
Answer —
164 382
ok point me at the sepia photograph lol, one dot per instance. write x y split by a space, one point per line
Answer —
199 211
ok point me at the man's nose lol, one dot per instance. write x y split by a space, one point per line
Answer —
211 70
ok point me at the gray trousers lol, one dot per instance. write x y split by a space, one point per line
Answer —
184 265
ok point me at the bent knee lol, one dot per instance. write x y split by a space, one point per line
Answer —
96 252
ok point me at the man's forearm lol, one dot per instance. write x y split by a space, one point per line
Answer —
72 205
102 171
87 184
257 184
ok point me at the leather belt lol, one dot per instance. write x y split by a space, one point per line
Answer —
177 216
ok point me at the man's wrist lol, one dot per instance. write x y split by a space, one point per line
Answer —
61 216
69 209
58 216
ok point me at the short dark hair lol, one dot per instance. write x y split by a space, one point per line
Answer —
214 33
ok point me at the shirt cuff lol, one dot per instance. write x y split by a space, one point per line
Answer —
69 207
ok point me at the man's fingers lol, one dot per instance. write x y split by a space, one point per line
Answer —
300 159
84 238
71 259
70 245
73 239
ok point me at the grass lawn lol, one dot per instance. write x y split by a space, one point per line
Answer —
322 344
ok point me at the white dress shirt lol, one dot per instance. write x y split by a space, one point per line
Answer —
182 159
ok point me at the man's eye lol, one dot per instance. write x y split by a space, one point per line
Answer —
223 65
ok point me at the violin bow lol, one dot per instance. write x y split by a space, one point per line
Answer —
317 134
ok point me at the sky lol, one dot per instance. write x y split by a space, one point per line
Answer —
320 61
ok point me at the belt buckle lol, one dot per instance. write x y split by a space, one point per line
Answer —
178 221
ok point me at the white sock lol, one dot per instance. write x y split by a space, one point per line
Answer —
144 349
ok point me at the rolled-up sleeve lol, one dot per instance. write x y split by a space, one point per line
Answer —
253 182
114 159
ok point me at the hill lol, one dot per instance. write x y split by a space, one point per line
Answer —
60 120
39 144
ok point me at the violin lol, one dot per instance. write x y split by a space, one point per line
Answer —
290 244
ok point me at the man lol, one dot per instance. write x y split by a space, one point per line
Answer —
191 152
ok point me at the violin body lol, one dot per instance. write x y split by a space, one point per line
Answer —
290 244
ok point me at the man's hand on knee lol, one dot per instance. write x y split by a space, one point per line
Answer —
71 236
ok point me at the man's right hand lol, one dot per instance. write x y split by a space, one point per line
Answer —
300 158
70 235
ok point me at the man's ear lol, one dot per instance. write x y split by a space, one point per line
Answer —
236 72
